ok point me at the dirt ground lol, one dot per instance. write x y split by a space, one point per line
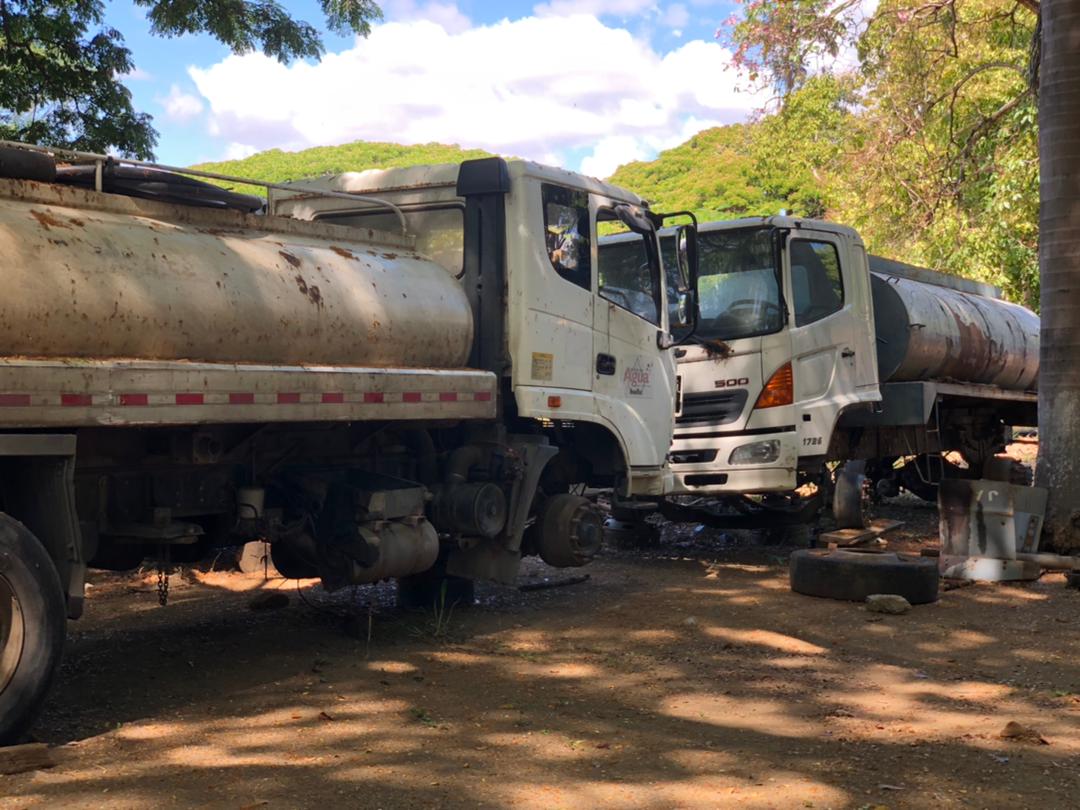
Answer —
685 676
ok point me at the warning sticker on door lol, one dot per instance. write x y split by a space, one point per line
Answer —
542 366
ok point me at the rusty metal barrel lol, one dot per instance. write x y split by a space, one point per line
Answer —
929 331
91 275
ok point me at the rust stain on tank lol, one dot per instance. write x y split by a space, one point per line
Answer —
47 220
293 260
345 254
312 291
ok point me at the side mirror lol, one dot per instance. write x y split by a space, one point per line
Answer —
686 308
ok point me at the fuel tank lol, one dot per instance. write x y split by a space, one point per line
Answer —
92 275
927 331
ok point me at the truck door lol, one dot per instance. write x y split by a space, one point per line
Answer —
633 379
826 319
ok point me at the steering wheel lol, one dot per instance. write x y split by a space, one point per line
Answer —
749 303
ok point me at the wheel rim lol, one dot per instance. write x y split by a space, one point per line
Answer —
12 632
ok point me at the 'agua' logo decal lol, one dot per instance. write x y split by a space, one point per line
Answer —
637 379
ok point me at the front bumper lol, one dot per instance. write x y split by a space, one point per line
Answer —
700 465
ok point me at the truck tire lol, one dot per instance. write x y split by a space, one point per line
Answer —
851 496
854 575
32 627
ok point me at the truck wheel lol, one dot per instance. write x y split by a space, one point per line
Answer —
32 627
851 496
854 575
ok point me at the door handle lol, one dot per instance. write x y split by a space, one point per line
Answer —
605 364
847 353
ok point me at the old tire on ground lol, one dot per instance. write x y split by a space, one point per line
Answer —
854 575
32 627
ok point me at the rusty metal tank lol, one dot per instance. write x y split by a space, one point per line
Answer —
92 275
932 327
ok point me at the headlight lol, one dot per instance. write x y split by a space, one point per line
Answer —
757 453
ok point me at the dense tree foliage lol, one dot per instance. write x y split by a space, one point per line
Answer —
929 146
61 67
776 43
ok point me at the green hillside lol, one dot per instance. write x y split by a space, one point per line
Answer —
277 166
711 174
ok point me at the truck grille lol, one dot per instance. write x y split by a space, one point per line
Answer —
712 407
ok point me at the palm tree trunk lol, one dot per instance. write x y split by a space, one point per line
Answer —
1059 271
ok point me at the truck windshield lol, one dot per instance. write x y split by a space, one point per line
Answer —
738 283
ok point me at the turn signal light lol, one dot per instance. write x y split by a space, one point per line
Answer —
779 390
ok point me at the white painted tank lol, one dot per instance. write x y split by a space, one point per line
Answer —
90 275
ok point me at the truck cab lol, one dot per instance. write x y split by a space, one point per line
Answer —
581 339
785 344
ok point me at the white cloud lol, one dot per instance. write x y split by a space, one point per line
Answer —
239 151
180 106
448 15
611 153
676 16
136 74
538 87
595 8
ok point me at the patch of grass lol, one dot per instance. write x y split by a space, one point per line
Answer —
421 715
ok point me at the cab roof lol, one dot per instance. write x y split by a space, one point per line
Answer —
445 175
780 221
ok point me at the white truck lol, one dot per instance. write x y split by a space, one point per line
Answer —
408 386
818 372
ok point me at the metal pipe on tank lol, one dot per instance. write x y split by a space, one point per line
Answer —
930 332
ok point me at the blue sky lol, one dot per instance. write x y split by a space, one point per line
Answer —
587 84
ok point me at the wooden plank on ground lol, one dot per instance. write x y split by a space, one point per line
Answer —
859 537
28 757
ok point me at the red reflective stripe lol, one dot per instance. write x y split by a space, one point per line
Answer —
134 399
14 399
241 398
189 399
76 399
333 399
288 399
482 396
447 396
410 396
373 396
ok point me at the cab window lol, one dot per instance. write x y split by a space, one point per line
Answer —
628 269
817 289
439 229
566 231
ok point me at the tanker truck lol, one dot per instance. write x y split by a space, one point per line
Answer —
380 387
820 376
